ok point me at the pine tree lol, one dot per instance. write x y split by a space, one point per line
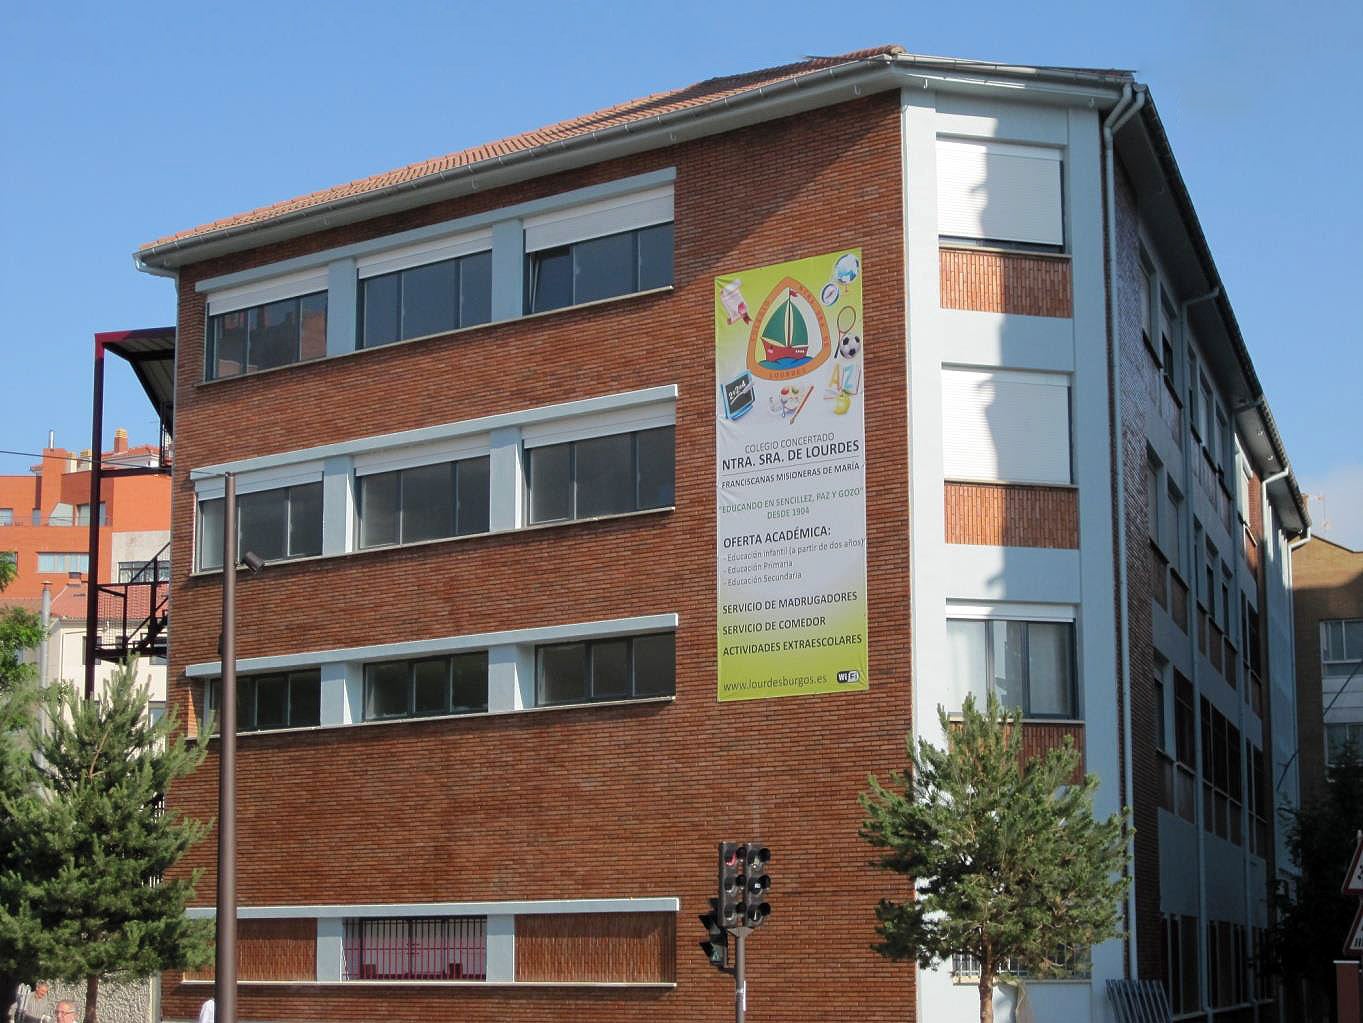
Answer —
83 892
1009 865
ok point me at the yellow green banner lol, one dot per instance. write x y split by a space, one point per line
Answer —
791 479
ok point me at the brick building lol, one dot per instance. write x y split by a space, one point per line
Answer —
1327 595
488 421
45 519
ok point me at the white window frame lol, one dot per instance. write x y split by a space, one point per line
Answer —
247 296
423 253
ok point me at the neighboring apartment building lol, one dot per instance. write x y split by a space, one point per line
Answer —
557 599
1327 594
45 519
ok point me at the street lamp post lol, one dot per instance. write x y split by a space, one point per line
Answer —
225 972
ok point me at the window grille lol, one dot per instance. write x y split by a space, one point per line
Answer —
416 948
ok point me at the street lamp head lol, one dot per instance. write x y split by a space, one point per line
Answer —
253 561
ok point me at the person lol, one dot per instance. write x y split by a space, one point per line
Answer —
32 1003
207 1011
66 1012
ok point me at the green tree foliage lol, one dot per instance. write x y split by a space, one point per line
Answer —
83 894
1314 915
20 630
1009 865
9 568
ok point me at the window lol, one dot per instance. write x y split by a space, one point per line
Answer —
1029 665
6 516
1340 736
426 502
432 686
597 268
276 525
1146 297
68 563
611 475
1154 505
1227 964
1257 799
999 193
157 570
1006 426
1341 645
1204 417
1221 777
1171 528
83 514
280 700
434 298
1182 962
415 948
625 668
1194 406
265 336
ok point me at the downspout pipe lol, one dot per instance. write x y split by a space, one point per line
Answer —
1132 99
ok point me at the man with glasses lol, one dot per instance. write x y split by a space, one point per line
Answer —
66 1012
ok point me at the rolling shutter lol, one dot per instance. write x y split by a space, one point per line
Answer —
998 192
1006 426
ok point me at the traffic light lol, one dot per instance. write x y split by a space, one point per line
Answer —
732 885
716 948
757 882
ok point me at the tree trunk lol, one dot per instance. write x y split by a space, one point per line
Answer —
91 998
986 995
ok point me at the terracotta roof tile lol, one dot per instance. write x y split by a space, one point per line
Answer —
640 109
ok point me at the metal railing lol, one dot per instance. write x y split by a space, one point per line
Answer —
140 611
417 948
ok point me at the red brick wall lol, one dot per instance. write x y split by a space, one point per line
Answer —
1138 418
1005 282
599 802
1012 515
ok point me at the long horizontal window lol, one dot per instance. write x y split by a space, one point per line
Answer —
586 271
432 299
425 688
602 475
1029 665
427 502
68 562
265 336
284 700
606 669
275 525
416 948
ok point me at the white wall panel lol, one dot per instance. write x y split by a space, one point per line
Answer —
996 191
1006 426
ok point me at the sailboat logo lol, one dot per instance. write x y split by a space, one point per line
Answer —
789 334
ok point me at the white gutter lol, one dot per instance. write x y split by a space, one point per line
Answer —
1126 107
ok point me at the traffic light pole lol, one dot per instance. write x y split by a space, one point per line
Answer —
740 977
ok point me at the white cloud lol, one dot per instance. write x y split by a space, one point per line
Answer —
1335 501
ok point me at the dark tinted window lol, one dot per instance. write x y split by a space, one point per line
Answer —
291 700
610 475
562 673
379 497
430 296
657 460
210 533
475 289
305 520
427 502
473 490
380 311
549 279
606 669
655 257
265 336
263 521
604 267
551 495
272 701
604 471
455 684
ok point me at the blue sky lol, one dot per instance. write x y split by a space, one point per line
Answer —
123 122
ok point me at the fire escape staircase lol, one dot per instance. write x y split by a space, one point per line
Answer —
135 615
